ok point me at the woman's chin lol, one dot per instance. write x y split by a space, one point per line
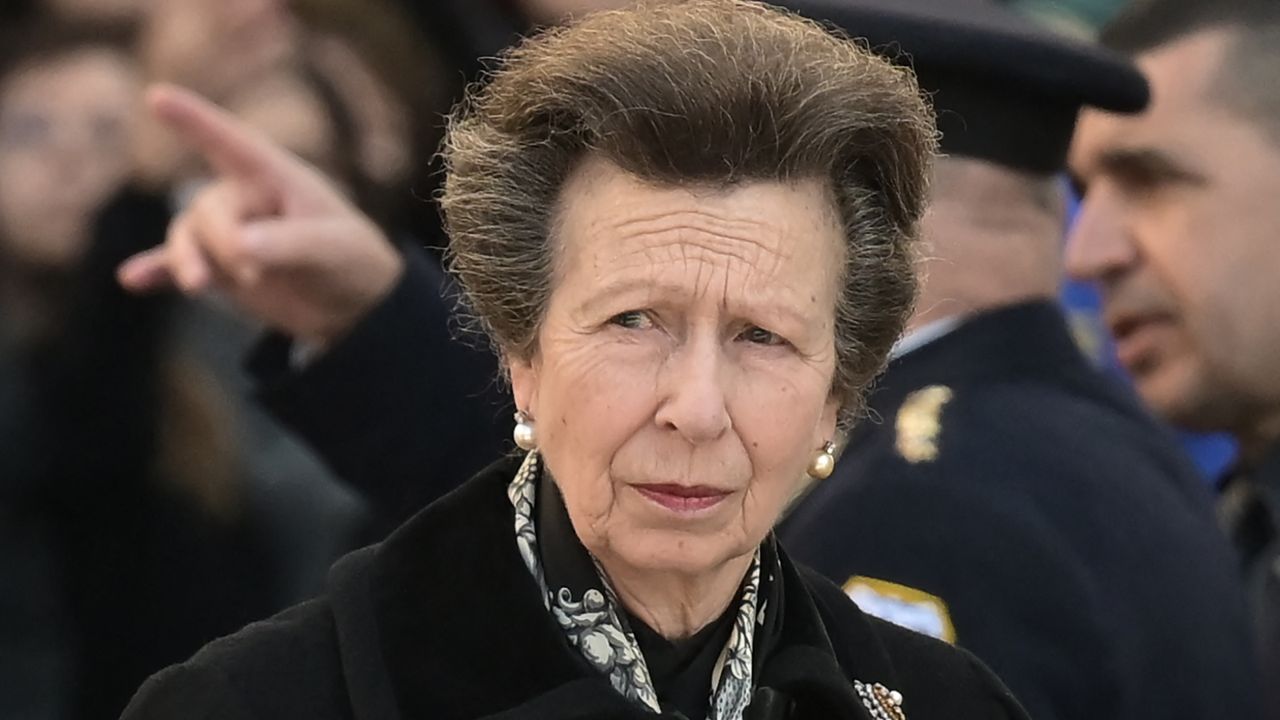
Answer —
678 552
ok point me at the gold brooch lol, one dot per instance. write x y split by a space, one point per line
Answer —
919 422
880 701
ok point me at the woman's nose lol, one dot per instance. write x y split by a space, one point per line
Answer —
693 399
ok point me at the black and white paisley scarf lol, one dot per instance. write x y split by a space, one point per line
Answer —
596 625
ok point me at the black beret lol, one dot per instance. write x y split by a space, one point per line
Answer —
1004 89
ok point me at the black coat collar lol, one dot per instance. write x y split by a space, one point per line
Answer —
464 633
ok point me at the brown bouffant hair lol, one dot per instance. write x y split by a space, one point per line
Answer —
703 93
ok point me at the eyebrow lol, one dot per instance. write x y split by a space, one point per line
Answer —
614 289
1147 162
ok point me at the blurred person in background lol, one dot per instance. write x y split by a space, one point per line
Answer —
301 517
67 106
120 514
362 47
305 516
1179 228
1212 453
1008 497
470 33
216 47
552 12
114 12
69 110
358 402
181 515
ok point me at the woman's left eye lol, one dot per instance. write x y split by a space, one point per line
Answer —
632 320
760 336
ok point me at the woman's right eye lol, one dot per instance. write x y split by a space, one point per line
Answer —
632 320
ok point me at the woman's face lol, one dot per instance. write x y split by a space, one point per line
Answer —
682 379
65 127
218 48
215 47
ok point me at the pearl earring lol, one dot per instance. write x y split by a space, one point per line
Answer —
524 434
823 462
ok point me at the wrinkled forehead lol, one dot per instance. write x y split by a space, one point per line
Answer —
604 210
757 241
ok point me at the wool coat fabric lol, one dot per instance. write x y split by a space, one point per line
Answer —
443 620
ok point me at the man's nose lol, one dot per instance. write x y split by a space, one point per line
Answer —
1100 244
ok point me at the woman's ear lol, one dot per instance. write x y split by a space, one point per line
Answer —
524 383
830 420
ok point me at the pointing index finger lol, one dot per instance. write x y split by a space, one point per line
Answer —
231 147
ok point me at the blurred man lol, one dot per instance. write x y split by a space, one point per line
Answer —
1004 496
1180 228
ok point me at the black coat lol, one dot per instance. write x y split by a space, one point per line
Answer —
443 620
1037 508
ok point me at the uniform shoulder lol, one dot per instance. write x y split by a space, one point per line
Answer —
936 679
285 666
1031 428
1032 407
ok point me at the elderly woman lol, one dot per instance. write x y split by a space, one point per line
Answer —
689 231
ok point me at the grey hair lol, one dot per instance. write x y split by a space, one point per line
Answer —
704 93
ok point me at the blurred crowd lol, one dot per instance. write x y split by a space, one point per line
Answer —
151 498
148 505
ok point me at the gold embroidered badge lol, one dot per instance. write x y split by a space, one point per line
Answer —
919 423
902 605
880 701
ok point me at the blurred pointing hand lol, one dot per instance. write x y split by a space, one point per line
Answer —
270 231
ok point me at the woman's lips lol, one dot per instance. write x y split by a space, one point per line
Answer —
683 498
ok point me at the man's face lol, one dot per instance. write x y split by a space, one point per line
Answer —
1180 228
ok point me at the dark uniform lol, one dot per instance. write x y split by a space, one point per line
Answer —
1012 500
1004 495
1250 512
